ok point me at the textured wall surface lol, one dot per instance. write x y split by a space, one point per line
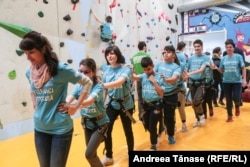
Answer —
154 21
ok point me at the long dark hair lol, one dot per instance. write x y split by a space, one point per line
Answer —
117 52
91 64
35 40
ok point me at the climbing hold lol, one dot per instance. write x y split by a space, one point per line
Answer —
1 125
169 21
150 38
67 17
12 75
171 6
69 31
24 103
15 29
83 34
69 61
114 36
45 1
74 1
176 19
40 14
173 30
61 44
167 38
19 52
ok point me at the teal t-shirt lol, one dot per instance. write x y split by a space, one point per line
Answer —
232 67
209 72
181 57
113 74
136 62
168 70
94 110
47 118
149 93
107 30
194 63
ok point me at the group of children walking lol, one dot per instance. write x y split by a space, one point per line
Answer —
162 91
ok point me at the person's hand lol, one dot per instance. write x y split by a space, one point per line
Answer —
68 108
184 75
152 79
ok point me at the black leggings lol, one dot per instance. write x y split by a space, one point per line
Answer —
127 127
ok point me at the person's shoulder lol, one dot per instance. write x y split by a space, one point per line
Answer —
62 65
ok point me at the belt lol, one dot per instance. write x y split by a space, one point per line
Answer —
97 118
175 91
121 99
197 80
151 102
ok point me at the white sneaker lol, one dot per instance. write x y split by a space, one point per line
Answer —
197 124
184 127
153 148
202 119
107 161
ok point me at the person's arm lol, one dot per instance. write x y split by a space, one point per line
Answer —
96 18
197 71
33 98
70 98
114 84
244 81
126 73
71 109
171 79
135 77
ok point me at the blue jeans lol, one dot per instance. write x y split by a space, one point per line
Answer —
232 92
52 150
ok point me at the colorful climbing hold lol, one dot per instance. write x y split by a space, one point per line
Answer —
19 52
61 44
45 1
67 17
69 31
40 14
12 75
24 103
69 61
15 29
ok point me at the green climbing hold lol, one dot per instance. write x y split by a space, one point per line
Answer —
15 29
19 52
40 14
24 103
1 125
12 74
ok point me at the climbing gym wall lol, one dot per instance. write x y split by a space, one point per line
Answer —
74 34
154 21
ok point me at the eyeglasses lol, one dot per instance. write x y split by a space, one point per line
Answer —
84 72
